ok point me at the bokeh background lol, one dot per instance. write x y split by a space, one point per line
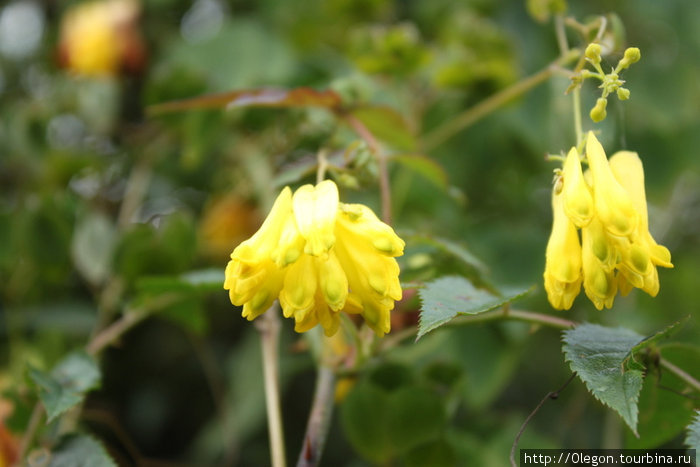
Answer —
103 207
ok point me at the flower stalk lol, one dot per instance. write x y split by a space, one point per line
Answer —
319 418
269 328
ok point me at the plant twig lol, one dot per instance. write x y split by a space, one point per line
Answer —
32 426
136 189
319 418
550 395
488 105
560 31
269 327
501 313
364 133
322 166
129 319
694 383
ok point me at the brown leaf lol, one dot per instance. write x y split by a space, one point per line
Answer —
264 97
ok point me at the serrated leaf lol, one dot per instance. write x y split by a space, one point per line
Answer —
56 399
93 246
81 451
596 354
692 440
424 166
448 297
67 384
654 338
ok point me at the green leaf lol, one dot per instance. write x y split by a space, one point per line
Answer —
382 424
93 246
205 279
81 451
654 338
388 125
657 336
417 416
663 414
693 438
424 166
596 354
435 454
364 415
66 385
447 297
295 171
454 249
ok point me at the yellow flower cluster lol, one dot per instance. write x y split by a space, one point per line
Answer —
616 250
320 257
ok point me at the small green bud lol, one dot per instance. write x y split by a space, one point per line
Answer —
598 112
632 55
593 53
623 94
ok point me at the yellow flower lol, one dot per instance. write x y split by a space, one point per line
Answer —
612 202
641 252
617 252
99 38
562 272
578 201
320 257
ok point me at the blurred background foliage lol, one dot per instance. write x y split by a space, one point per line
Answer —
104 210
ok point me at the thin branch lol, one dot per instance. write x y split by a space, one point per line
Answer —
488 105
114 331
30 432
501 313
136 189
550 395
561 34
319 418
364 133
694 383
269 327
322 166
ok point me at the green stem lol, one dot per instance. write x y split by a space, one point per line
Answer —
488 105
561 34
576 94
319 418
381 158
322 166
529 317
136 189
30 432
128 320
269 327
694 383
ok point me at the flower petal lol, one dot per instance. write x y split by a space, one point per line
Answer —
315 210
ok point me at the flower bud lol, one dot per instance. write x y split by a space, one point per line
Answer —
632 55
593 53
623 94
598 112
